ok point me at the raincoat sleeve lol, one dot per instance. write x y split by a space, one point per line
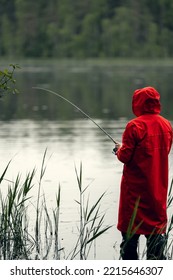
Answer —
129 142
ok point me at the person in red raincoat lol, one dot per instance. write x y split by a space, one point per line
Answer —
146 144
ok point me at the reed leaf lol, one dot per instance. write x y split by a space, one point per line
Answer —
170 195
3 174
58 197
94 206
130 230
79 177
98 234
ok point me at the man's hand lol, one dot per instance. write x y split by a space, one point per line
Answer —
117 146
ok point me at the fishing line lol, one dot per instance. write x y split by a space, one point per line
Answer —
80 110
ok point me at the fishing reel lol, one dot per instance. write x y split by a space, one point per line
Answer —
114 150
117 146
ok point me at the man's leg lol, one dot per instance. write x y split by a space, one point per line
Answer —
128 247
155 247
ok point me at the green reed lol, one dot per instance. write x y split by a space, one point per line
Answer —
20 239
15 241
91 221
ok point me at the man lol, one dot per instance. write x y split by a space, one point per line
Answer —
146 143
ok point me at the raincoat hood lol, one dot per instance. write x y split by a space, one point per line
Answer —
146 101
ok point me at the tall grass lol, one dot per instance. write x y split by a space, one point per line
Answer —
91 221
20 239
15 240
169 233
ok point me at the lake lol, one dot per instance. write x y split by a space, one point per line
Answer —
34 121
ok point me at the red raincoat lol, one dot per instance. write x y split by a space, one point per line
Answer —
146 144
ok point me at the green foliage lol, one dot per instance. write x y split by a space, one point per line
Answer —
7 80
90 28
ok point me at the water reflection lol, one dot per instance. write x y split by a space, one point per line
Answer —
103 91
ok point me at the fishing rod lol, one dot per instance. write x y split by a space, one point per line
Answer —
80 110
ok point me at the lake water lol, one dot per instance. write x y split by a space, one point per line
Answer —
33 122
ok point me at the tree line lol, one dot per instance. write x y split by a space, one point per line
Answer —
86 28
